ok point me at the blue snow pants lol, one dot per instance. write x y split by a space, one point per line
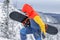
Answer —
32 29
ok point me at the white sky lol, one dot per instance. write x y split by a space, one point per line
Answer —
52 6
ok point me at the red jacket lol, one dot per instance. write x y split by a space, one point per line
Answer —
29 11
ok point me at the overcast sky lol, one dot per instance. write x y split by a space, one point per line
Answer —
52 6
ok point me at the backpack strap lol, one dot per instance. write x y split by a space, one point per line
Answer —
26 22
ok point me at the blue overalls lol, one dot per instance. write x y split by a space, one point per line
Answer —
32 29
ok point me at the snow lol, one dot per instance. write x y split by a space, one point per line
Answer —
1 38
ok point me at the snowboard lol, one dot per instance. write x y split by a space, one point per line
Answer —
17 16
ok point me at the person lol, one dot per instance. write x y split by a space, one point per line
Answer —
36 25
32 14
